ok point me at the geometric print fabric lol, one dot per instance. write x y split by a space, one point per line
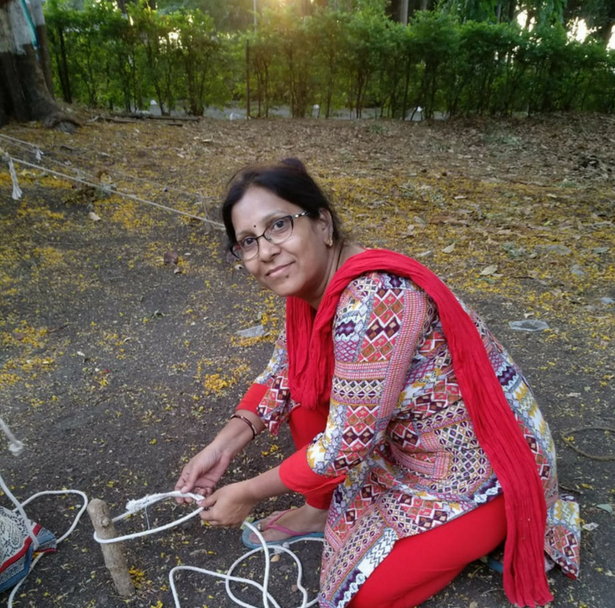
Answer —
411 456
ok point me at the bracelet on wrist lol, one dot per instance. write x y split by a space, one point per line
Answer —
248 422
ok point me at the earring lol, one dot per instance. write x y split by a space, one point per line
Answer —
329 242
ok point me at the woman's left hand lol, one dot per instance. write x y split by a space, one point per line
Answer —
228 506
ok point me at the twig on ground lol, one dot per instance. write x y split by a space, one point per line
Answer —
570 444
574 490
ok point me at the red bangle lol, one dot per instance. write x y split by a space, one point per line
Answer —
248 422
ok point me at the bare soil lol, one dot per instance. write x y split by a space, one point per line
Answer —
116 367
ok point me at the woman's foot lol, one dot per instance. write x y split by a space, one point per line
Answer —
285 525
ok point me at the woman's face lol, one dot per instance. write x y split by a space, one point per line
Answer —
300 266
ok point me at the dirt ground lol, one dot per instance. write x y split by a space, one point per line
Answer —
116 367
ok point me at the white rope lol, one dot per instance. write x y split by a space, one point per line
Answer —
19 507
141 504
15 446
228 577
17 193
57 493
136 505
18 141
39 153
113 190
28 524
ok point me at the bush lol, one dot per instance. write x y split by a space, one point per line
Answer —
332 58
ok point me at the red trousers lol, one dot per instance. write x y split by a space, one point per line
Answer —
418 566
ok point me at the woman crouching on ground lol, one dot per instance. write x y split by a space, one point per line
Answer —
420 446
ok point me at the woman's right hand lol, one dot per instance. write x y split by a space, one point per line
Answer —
203 472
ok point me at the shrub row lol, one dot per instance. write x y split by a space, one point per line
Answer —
332 58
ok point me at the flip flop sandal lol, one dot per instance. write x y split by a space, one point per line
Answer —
497 563
494 564
495 559
271 525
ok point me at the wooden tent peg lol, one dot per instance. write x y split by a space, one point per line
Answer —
115 560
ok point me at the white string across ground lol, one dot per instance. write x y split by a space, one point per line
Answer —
111 189
18 141
119 192
110 170
23 143
15 446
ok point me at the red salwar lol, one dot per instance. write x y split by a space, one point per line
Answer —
418 566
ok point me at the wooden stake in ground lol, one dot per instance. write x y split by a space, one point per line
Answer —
112 552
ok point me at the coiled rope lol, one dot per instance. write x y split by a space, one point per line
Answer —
132 507
267 599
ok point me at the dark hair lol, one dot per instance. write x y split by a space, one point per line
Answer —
287 179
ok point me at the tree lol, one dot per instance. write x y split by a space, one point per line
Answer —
598 14
23 92
470 10
38 19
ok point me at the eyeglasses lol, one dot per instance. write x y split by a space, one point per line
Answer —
277 232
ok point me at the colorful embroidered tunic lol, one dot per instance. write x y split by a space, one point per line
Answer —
399 430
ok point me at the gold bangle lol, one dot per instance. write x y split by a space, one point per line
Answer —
248 422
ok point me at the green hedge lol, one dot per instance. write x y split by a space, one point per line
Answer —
331 58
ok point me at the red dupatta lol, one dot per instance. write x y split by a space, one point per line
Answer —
311 363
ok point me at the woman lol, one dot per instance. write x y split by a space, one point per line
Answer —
420 447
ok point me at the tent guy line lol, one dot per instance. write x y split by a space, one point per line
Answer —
113 190
39 153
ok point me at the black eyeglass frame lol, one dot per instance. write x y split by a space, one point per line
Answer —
292 218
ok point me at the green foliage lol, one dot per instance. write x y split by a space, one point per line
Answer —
470 10
486 74
598 14
434 41
104 58
284 40
367 45
457 60
328 31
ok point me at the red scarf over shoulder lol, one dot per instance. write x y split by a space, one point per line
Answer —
311 363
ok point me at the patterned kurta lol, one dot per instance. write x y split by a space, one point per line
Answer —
399 430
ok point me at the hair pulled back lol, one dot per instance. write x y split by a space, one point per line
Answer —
287 179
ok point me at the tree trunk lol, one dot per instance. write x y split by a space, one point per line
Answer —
605 31
247 79
59 48
43 44
24 95
403 12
